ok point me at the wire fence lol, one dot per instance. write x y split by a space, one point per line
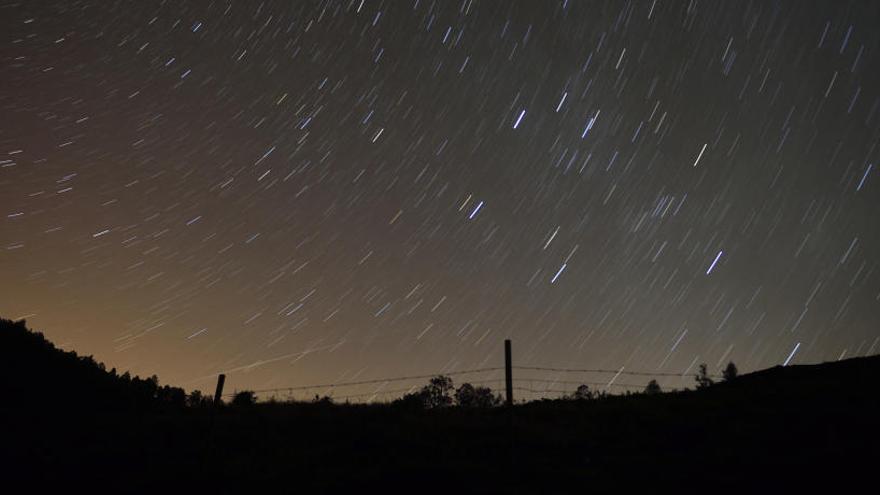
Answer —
535 387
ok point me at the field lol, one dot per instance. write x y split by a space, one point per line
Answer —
781 429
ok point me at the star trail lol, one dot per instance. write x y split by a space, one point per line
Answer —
314 192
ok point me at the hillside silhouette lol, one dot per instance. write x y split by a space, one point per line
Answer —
69 422
35 374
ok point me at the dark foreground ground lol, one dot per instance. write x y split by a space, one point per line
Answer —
797 429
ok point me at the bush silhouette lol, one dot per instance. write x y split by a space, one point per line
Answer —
326 400
469 396
437 392
653 388
244 398
730 372
703 380
413 400
583 392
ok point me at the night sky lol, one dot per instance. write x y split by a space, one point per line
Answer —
315 192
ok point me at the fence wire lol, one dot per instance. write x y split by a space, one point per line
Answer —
329 389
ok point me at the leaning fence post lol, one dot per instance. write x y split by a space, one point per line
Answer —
218 394
508 372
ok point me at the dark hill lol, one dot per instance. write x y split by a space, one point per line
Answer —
34 374
781 430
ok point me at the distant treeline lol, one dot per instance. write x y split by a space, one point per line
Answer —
34 373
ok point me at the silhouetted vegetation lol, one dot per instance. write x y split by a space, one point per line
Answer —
322 400
436 394
703 379
197 399
583 392
70 423
37 374
653 388
729 372
440 392
244 398
469 396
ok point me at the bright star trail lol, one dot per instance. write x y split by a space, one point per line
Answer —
717 257
312 192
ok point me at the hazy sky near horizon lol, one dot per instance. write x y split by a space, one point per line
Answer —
315 192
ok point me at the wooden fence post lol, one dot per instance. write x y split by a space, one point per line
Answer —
218 394
508 372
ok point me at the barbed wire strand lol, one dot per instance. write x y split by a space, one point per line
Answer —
622 372
374 381
333 386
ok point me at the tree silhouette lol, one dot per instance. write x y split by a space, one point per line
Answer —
730 372
469 396
653 388
437 392
703 380
583 392
465 395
